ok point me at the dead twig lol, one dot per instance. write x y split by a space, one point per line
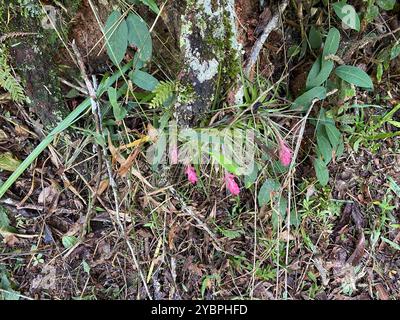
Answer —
99 129
255 51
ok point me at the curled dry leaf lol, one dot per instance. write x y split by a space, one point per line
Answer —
47 195
103 187
10 240
3 136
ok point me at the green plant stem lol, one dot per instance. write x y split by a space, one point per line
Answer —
68 121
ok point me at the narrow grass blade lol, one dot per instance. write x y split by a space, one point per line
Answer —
69 120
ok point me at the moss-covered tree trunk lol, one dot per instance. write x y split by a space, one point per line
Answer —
210 51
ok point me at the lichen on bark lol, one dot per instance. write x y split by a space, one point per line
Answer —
32 56
209 50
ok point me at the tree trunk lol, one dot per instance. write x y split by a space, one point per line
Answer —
209 51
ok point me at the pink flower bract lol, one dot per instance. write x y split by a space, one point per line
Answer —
285 154
231 184
191 174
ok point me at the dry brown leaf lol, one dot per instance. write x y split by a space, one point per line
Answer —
47 195
124 169
21 131
152 133
103 187
3 135
116 155
10 240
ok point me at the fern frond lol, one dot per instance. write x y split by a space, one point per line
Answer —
8 82
163 92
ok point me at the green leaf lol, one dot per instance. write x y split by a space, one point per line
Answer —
372 13
251 178
322 76
116 34
63 125
315 70
354 76
268 189
279 213
334 134
86 267
386 4
4 220
394 245
8 162
143 80
347 13
118 111
139 36
394 186
227 165
315 38
379 72
305 100
395 52
332 42
321 171
325 148
69 241
231 234
340 149
152 5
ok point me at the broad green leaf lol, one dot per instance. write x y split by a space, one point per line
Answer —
231 234
139 36
321 171
4 220
118 111
143 80
227 165
394 186
395 52
372 13
315 70
334 134
8 162
393 244
322 76
279 211
315 38
69 241
331 45
116 34
152 5
324 148
268 189
86 267
340 149
386 4
251 178
305 100
354 76
347 14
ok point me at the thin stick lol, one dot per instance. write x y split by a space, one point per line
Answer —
255 51
99 128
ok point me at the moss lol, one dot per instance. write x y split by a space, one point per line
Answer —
32 57
208 41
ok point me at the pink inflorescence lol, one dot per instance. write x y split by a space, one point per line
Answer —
231 184
191 174
285 154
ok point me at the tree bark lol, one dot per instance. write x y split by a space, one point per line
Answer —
209 51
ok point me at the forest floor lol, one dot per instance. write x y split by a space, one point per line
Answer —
60 227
